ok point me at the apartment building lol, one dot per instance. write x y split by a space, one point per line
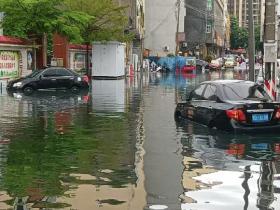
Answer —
206 28
161 18
135 12
239 9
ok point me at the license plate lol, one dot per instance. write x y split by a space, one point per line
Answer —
263 146
256 118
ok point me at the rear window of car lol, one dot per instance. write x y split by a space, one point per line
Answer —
244 90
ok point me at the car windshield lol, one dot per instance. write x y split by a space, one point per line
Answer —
34 74
244 91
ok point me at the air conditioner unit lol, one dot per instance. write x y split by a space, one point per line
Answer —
166 48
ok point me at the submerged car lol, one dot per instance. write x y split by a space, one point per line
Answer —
215 65
232 105
49 78
201 66
230 62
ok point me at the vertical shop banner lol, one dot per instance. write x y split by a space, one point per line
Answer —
9 64
79 61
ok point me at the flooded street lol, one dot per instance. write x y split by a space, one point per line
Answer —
118 147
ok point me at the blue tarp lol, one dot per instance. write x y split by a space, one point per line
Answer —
170 63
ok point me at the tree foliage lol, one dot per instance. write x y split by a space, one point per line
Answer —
80 21
109 23
239 36
35 17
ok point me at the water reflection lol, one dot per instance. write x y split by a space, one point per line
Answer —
217 163
57 153
118 147
108 92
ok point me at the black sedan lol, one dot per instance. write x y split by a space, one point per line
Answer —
49 78
234 105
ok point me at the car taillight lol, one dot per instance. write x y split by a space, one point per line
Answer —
236 114
277 114
86 79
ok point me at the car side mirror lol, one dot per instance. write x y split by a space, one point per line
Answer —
41 76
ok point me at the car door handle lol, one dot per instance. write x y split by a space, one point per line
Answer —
210 107
53 79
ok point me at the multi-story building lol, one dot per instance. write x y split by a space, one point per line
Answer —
135 13
163 20
239 9
205 28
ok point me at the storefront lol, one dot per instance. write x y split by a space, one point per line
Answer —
73 56
16 59
78 57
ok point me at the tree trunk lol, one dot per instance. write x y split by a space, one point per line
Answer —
44 49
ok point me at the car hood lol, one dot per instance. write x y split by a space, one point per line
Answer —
22 79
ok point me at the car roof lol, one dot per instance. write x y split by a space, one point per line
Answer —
224 82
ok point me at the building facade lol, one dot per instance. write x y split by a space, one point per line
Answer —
239 9
135 12
163 20
205 28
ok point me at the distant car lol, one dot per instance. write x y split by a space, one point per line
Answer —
49 78
215 65
230 62
201 66
190 65
233 105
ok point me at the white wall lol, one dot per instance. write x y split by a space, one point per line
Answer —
160 25
108 60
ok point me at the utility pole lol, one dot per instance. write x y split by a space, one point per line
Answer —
270 48
178 4
251 42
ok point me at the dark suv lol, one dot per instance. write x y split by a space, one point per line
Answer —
49 78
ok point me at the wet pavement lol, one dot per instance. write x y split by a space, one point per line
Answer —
118 147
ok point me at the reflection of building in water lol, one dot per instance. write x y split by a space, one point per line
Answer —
257 185
108 95
265 183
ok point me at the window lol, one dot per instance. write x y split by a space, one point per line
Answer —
209 5
50 73
210 93
240 91
208 28
197 93
63 72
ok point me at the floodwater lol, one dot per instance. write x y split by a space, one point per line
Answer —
117 147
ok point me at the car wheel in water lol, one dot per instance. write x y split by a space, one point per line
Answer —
177 116
74 89
28 90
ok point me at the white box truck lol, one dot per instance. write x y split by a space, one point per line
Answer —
108 60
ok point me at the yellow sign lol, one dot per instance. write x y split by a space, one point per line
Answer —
9 64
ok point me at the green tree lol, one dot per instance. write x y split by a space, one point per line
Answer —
109 23
239 36
234 32
258 42
36 17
